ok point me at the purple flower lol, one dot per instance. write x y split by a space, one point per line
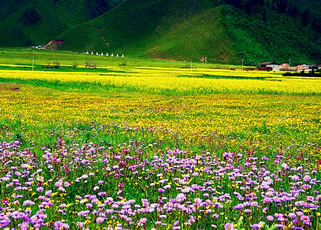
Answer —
270 218
292 215
102 194
80 224
28 202
229 226
25 166
247 211
100 220
24 226
180 198
307 178
58 184
255 226
238 207
310 198
142 221
305 219
60 225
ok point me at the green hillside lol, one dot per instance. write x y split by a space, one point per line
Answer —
27 22
190 30
173 30
280 38
221 31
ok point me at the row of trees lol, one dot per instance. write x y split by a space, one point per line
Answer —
262 6
98 7
95 7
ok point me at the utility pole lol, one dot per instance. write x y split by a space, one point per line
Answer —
33 61
242 63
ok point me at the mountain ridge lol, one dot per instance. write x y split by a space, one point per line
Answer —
222 31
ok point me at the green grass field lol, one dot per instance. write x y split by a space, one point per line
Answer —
24 56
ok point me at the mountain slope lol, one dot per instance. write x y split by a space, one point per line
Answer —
132 26
198 37
223 31
279 38
27 22
193 29
177 29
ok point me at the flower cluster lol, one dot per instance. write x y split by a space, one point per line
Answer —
87 185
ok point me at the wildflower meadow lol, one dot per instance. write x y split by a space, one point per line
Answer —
159 148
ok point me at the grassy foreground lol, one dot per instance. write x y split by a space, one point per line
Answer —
159 147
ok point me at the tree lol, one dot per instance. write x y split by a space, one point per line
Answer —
282 5
97 7
305 17
30 17
235 3
293 11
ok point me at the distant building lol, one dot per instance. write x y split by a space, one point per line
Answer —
303 67
39 46
275 66
261 69
285 66
53 45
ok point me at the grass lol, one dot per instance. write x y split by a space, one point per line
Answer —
24 56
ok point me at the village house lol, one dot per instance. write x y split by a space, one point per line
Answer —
53 45
285 66
303 67
272 65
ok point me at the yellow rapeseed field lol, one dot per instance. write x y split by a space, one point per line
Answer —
162 79
234 109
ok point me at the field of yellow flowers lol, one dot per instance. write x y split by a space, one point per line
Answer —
182 81
159 148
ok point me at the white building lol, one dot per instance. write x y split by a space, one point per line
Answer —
273 65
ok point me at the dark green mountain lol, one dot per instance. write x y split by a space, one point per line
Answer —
27 22
224 31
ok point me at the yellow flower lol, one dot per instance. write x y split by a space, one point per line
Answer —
53 194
